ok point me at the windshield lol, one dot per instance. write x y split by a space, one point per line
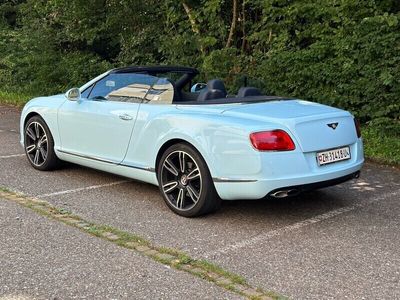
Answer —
131 87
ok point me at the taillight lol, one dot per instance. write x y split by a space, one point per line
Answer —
274 140
358 128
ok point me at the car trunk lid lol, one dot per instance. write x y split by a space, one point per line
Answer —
314 126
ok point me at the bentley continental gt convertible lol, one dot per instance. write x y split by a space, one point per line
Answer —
196 142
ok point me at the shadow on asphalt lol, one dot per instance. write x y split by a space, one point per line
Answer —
305 205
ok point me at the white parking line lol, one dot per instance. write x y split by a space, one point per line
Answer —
273 233
11 156
92 187
9 130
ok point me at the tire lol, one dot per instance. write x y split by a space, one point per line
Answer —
189 190
39 145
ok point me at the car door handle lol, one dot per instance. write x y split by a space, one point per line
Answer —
125 117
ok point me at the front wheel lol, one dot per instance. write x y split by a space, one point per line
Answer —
39 145
185 182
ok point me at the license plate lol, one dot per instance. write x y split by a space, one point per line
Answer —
334 155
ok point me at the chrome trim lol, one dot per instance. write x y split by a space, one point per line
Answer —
149 169
90 157
221 179
125 117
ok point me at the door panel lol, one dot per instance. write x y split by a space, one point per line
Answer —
97 129
101 123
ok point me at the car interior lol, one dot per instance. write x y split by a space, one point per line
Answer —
184 92
214 90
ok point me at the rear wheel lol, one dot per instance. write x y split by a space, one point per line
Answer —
185 182
39 145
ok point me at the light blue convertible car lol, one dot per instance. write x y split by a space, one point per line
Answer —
198 144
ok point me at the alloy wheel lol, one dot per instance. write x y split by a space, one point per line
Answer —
181 180
36 143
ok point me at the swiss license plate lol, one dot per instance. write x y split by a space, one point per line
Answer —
333 155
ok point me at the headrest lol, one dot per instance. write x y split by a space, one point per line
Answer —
248 92
217 84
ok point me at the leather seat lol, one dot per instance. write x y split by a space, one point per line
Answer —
210 95
215 90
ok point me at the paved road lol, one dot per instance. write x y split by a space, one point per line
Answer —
342 242
44 259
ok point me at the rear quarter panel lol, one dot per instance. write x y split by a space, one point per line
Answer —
223 141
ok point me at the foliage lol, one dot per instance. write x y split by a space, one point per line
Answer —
350 60
381 146
340 52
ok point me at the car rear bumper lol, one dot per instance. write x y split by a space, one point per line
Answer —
286 191
257 189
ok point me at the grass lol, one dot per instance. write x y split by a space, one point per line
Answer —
218 270
381 148
12 98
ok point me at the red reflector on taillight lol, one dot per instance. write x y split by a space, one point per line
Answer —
358 127
274 140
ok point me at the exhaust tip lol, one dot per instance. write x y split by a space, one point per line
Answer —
280 194
285 193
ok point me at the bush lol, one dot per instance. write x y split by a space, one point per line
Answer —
349 61
339 52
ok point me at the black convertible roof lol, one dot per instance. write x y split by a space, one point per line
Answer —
155 69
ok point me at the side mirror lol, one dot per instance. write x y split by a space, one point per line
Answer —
73 94
197 87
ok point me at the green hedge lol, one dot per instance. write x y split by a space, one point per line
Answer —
344 53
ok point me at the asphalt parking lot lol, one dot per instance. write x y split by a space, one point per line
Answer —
342 242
